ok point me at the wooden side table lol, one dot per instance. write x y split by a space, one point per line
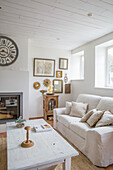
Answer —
49 103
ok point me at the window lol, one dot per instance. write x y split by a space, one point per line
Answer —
82 66
77 66
104 65
109 66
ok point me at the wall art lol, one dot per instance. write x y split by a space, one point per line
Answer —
58 86
67 88
65 78
46 82
36 85
59 74
63 63
44 67
8 51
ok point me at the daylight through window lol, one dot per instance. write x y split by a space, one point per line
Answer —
110 66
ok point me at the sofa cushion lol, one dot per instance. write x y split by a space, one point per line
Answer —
87 115
68 108
80 128
95 117
78 109
92 100
106 103
66 119
107 119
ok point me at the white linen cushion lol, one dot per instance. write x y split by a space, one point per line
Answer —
106 103
108 112
87 115
80 128
78 109
66 120
92 100
95 117
107 119
68 108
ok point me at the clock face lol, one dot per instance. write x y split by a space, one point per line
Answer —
8 51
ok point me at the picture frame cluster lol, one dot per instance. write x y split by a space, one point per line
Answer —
46 68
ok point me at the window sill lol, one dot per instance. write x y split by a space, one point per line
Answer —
110 88
77 79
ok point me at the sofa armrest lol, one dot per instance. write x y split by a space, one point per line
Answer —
57 111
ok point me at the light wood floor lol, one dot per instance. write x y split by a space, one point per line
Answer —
78 163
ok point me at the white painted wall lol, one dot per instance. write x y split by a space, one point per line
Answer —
76 66
15 77
35 97
16 81
100 66
88 84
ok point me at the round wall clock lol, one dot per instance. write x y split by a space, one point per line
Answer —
8 51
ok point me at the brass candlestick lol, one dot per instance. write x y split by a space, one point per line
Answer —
43 91
27 143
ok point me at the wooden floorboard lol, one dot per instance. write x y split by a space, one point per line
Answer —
80 162
3 152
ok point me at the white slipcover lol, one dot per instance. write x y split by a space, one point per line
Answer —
80 128
106 103
98 146
95 143
92 100
66 119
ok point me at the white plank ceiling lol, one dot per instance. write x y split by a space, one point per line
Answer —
56 23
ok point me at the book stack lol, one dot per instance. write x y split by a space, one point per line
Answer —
42 128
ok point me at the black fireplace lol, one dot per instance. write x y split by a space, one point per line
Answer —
11 106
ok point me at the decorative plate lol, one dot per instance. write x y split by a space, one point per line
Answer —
46 82
36 85
8 51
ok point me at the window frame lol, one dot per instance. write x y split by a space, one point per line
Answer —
80 71
107 83
82 67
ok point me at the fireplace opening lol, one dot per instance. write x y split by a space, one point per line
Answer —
11 106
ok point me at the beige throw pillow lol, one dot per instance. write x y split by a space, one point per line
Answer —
68 108
87 115
95 117
107 119
78 109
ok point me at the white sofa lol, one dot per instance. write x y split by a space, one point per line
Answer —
95 143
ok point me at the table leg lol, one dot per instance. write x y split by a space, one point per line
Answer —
67 164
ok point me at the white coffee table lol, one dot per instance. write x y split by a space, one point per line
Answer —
49 148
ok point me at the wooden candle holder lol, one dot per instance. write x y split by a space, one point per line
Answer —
27 143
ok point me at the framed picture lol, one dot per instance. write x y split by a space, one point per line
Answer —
44 67
58 86
67 88
59 74
63 63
